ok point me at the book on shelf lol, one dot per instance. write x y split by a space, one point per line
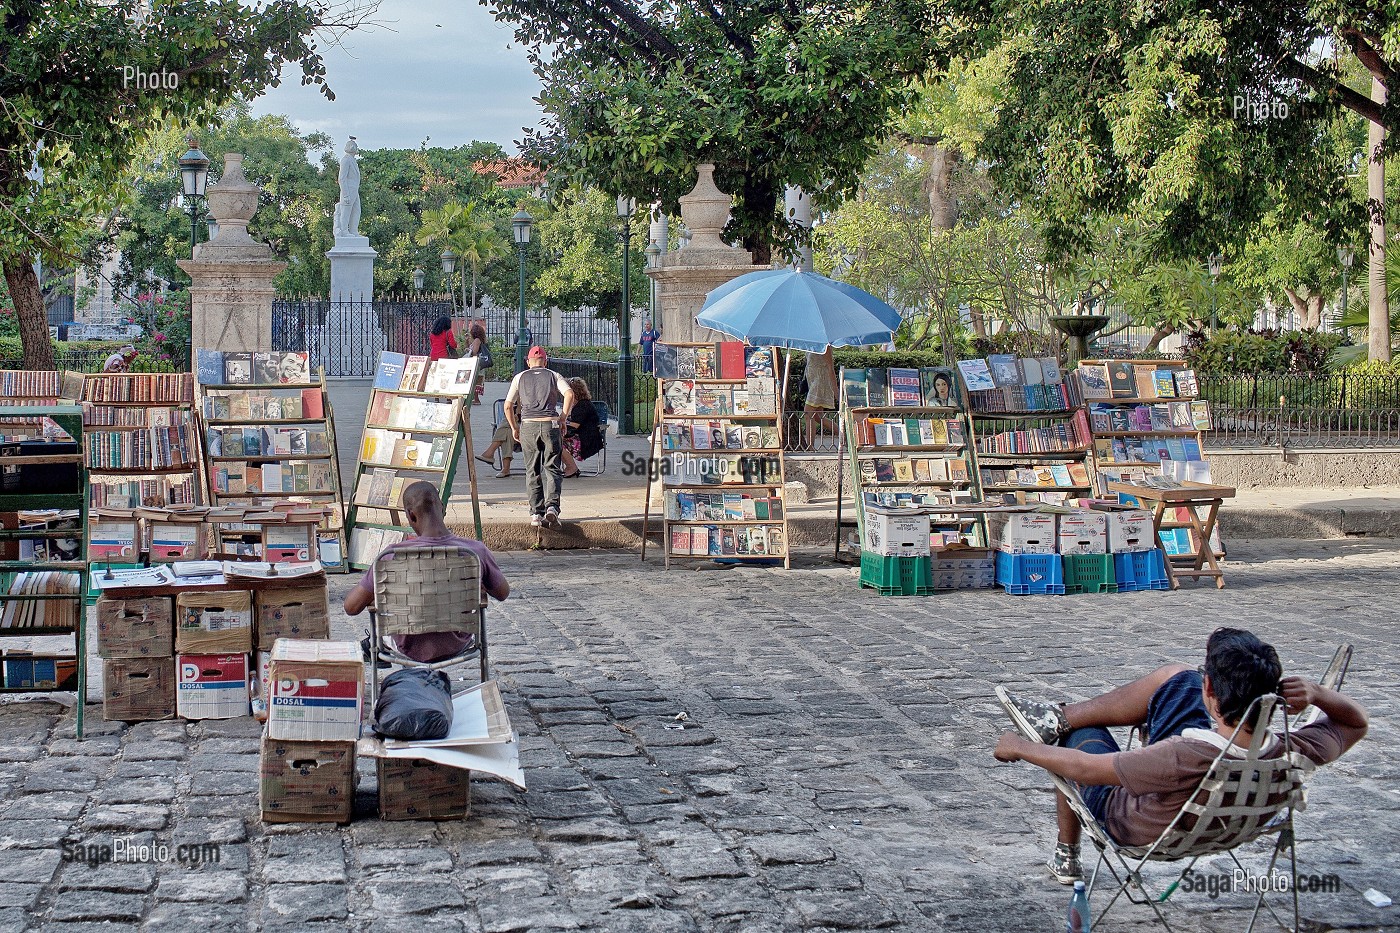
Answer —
939 387
367 543
1186 383
1068 436
29 384
877 387
731 360
451 377
238 368
390 372
758 361
1093 380
1164 383
904 387
855 388
128 388
1122 380
141 448
977 375
415 372
43 613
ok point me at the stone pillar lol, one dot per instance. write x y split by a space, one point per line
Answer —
352 269
685 276
231 289
556 327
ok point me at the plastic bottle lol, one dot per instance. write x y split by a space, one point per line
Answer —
1078 921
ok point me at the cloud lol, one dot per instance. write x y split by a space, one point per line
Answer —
437 68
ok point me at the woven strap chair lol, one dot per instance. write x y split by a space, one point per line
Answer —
1238 801
425 590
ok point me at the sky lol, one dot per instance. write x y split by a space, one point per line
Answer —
436 69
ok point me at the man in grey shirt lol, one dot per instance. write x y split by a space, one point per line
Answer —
532 408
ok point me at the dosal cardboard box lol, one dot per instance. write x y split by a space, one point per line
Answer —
211 686
1083 532
138 689
315 690
418 789
311 782
1022 532
136 628
1130 530
214 623
892 534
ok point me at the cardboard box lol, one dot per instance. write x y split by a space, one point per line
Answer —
138 689
211 686
316 690
26 672
258 686
1083 532
1022 532
176 540
306 781
214 623
302 612
418 789
896 535
136 628
114 540
1130 530
294 543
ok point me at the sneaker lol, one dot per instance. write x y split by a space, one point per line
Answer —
1045 721
551 518
536 520
1064 864
368 656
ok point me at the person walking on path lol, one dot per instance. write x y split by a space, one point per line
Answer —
648 337
120 362
442 344
538 425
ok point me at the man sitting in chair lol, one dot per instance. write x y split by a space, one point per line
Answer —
423 506
1190 716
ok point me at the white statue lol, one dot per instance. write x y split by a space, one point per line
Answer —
347 209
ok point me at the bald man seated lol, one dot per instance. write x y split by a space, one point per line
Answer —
426 516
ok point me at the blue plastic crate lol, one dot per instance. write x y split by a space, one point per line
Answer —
1024 574
1141 570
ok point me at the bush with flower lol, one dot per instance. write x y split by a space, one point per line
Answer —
165 326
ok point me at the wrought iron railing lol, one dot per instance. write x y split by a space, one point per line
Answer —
601 376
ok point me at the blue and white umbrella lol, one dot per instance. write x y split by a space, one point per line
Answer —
798 311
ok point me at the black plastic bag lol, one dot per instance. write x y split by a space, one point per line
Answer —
414 704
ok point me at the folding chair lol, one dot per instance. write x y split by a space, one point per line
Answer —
1237 801
422 590
597 463
498 418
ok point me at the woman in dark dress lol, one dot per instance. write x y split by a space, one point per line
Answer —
584 436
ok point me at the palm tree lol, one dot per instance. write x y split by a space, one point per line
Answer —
472 237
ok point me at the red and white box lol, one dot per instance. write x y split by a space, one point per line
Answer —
211 686
1083 533
315 690
1022 532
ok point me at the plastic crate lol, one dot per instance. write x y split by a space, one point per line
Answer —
1089 573
1141 570
895 576
1024 574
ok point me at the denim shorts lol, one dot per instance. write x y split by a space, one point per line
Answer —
1176 706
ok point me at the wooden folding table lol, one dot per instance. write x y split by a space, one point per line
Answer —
1189 497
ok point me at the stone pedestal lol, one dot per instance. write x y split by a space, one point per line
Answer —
685 276
231 289
352 269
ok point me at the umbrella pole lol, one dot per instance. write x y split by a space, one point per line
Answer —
787 371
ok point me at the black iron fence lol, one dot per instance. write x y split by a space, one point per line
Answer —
601 376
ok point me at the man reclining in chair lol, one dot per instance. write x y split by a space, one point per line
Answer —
1190 716
423 507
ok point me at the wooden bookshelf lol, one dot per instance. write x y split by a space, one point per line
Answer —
272 442
717 451
417 426
914 453
21 611
1134 433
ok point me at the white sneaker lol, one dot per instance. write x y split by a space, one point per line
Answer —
551 518
536 520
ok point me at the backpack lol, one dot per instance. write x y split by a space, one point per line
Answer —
484 357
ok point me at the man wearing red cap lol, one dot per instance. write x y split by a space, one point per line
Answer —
532 408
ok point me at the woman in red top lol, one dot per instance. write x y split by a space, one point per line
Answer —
441 344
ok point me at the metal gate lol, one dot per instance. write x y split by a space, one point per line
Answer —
346 337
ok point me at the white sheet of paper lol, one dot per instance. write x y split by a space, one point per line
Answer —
501 759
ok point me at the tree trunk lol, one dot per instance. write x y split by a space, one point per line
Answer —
473 288
1162 332
760 196
29 310
1379 320
943 205
1300 305
1313 319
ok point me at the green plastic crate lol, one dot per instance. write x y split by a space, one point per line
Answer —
896 576
1089 573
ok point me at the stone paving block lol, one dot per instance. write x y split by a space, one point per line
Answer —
416 861
300 904
190 916
499 852
197 831
413 897
203 887
137 790
440 924
127 817
776 849
28 866
102 746
587 830
136 749
17 895
32 834
508 914
687 863
56 806
98 906
122 878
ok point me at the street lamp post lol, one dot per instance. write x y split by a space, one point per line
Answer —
194 177
1214 263
520 229
1345 255
418 276
625 207
449 264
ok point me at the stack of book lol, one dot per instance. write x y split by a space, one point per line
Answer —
247 367
247 405
719 435
723 360
163 448
1125 379
1068 436
901 387
907 432
722 507
913 470
686 397
1005 383
133 388
728 541
24 385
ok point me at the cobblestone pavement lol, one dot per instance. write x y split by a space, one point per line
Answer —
834 772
